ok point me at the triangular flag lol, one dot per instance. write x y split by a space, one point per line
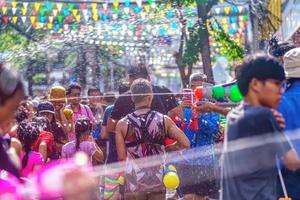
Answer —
240 9
50 25
42 25
86 17
227 10
14 10
147 8
217 10
105 6
143 15
115 16
95 17
60 18
116 5
51 19
85 11
5 19
54 11
32 19
48 6
25 5
139 3
14 19
37 6
75 12
126 10
14 4
4 10
94 6
77 18
82 6
66 27
24 11
23 19
59 6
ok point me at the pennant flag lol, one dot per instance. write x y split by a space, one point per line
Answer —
143 15
59 6
75 12
77 17
48 6
94 6
139 3
115 16
37 6
86 18
68 19
227 10
85 12
217 10
147 8
116 5
240 9
126 10
105 6
82 6
14 4
60 18
74 26
32 19
24 11
5 19
14 10
14 19
169 6
42 19
71 6
50 19
54 11
127 3
95 17
25 5
42 11
34 12
66 27
4 10
23 19
65 12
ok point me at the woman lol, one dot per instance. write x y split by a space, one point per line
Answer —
83 142
11 94
30 160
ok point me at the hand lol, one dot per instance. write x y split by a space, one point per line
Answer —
279 118
204 107
186 103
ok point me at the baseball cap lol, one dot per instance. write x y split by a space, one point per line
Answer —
46 106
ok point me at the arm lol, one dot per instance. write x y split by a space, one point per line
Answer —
291 160
175 133
98 154
120 140
43 150
111 125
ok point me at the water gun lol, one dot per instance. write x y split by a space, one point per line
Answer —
68 114
229 90
170 177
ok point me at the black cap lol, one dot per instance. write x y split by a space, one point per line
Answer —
46 106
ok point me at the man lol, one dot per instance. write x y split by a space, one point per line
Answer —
253 138
94 95
290 109
279 48
141 134
165 104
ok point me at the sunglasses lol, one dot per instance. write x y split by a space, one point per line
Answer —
8 81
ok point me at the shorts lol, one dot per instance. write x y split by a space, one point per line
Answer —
197 179
145 196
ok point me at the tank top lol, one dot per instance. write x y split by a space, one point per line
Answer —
145 137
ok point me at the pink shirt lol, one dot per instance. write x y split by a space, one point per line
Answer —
87 147
35 159
84 110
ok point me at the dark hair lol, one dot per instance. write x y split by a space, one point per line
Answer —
124 86
136 72
93 89
261 67
42 123
11 79
278 49
71 87
27 133
198 77
109 97
21 115
82 125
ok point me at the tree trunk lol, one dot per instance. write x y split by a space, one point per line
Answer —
205 50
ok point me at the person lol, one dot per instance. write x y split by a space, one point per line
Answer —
279 48
79 110
94 96
253 138
290 109
83 142
11 94
108 99
30 160
141 134
46 109
57 96
198 168
165 104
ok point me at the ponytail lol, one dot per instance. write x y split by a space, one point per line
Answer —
82 126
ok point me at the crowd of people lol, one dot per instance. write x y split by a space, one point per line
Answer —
68 147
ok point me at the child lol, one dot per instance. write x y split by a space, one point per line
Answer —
30 160
83 142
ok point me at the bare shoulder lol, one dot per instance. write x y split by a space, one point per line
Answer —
122 123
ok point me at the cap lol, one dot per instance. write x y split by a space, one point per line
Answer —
46 106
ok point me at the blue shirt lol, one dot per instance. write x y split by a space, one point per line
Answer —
290 109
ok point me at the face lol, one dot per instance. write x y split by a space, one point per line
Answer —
269 92
195 84
94 97
8 109
75 96
58 105
48 115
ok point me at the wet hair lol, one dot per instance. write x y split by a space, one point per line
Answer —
27 133
123 86
278 49
140 89
136 72
93 89
198 77
21 115
82 126
261 67
109 97
71 87
42 123
11 79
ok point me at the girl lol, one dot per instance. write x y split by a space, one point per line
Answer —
83 142
30 160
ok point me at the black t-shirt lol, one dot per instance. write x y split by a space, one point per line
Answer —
161 103
253 141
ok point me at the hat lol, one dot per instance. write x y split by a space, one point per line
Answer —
46 106
58 94
291 62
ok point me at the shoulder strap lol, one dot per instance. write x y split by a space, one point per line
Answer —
86 110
